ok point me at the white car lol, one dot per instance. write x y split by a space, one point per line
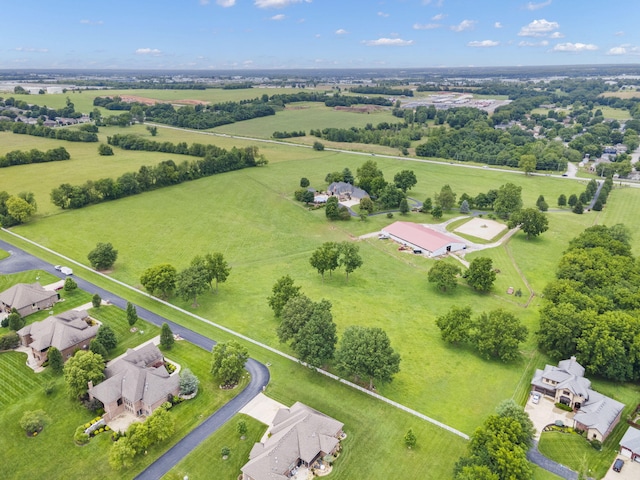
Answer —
58 267
536 398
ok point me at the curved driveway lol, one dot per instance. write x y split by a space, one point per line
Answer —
19 261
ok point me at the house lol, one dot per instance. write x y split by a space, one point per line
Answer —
420 237
68 332
137 383
630 444
300 435
346 191
596 414
27 298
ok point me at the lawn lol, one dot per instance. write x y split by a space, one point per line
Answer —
24 456
576 453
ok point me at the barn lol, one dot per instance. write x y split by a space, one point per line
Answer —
420 237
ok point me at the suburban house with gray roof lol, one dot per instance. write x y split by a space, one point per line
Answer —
630 444
68 332
27 298
346 191
300 435
137 383
595 413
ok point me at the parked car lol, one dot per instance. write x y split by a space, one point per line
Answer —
618 464
536 398
58 267
66 270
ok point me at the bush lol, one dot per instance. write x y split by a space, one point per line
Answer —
389 215
70 284
318 146
564 407
596 444
225 451
96 300
9 341
80 437
49 388
33 422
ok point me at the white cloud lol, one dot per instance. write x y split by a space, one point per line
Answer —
32 50
497 25
389 42
223 3
277 3
556 35
538 28
91 22
341 31
574 47
625 49
278 17
542 43
426 26
463 25
438 17
619 34
537 6
148 51
382 14
483 43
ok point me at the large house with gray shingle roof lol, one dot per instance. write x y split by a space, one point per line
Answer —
596 414
27 298
137 383
300 435
68 332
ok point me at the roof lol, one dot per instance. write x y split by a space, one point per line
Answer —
419 235
63 331
631 440
569 374
298 433
599 412
24 294
134 378
343 188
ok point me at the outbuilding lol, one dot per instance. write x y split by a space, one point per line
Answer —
630 444
421 237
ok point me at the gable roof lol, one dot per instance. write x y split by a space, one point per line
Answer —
62 331
419 235
569 374
631 440
599 412
298 433
343 188
24 294
134 378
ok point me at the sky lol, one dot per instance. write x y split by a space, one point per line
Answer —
280 34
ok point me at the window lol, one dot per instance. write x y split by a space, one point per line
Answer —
119 402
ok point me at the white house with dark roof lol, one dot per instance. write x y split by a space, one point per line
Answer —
137 383
596 414
27 298
420 237
300 435
630 444
68 332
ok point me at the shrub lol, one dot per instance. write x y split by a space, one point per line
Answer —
225 451
9 340
70 284
5 322
49 388
389 215
80 437
596 444
33 421
564 407
96 300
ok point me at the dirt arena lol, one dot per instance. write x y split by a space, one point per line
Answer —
481 228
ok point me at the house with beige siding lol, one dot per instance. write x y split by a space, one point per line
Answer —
27 298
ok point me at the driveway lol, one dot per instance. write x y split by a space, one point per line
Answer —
546 413
630 471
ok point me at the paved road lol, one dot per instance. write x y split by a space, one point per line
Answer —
19 261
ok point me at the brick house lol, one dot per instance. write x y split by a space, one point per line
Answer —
27 298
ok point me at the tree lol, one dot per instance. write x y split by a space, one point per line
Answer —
121 454
325 258
96 347
455 325
283 291
85 366
159 280
107 337
508 201
367 205
103 256
228 362
446 199
318 146
562 200
542 205
427 206
188 382
578 208
498 334
166 337
366 353
573 199
332 208
444 275
132 314
56 362
531 221
304 182
405 180
510 409
152 130
217 268
480 274
160 425
436 212
19 209
347 176
16 322
191 282
410 439
349 257
527 164
70 284
464 207
241 428
404 206
96 301
33 421
105 150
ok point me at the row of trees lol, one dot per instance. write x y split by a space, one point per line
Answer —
591 308
148 178
18 157
382 90
136 142
68 134
331 255
16 209
398 135
363 353
480 275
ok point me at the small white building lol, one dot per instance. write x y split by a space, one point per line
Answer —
421 237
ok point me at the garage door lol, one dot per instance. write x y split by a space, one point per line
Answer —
625 452
637 459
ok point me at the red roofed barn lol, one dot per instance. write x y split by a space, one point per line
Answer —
423 238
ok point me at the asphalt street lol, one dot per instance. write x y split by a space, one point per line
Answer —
19 261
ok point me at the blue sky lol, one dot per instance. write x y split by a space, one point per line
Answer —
257 34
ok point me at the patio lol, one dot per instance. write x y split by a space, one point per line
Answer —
122 422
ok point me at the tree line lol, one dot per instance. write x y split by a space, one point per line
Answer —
19 157
68 134
135 142
148 178
382 90
16 209
399 135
